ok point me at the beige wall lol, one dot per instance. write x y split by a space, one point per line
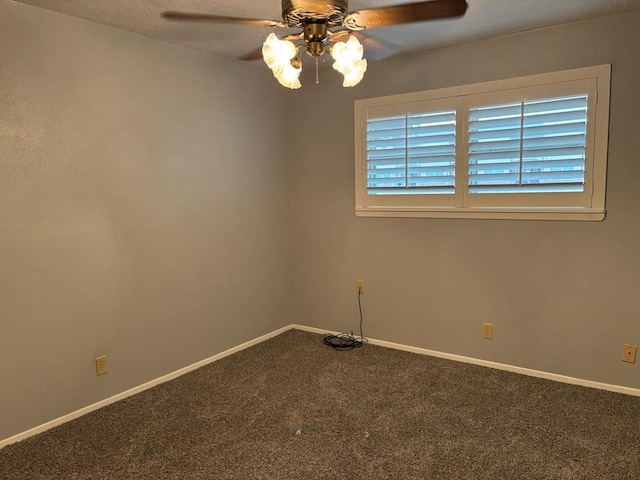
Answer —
563 296
144 211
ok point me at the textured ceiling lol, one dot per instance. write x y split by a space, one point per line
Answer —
484 18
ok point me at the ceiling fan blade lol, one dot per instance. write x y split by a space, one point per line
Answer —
255 54
315 6
205 18
374 48
405 13
293 37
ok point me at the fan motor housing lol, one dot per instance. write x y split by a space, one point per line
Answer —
331 12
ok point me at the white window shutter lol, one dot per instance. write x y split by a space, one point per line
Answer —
531 146
411 154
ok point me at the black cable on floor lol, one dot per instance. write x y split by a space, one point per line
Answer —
345 341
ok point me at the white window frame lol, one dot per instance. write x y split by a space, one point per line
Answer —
587 205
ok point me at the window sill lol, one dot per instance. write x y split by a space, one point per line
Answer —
562 214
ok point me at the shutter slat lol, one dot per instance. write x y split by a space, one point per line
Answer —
477 169
533 155
567 164
512 133
493 112
553 117
432 160
577 102
386 182
388 123
495 146
411 191
488 157
530 188
435 150
391 155
386 144
554 153
377 163
494 125
431 118
556 130
398 171
571 176
565 141
374 135
503 178
513 178
432 170
430 139
431 181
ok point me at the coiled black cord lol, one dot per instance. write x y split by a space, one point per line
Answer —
345 341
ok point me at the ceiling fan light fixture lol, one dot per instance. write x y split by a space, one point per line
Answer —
276 52
349 61
354 74
348 51
288 76
324 21
279 55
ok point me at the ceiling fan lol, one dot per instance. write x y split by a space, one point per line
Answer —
328 27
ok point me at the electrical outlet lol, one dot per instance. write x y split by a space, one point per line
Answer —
629 353
101 365
487 331
359 286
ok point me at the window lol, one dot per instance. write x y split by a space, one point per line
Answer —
412 153
526 148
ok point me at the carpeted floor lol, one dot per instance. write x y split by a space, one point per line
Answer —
292 408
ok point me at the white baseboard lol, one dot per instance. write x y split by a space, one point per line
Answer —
486 363
422 351
140 388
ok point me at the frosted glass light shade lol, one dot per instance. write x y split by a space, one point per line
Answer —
354 74
288 76
347 52
277 54
349 61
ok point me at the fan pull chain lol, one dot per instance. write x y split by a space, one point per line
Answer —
317 76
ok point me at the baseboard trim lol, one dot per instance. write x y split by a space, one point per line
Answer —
485 363
140 388
397 346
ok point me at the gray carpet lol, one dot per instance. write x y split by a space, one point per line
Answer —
292 408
